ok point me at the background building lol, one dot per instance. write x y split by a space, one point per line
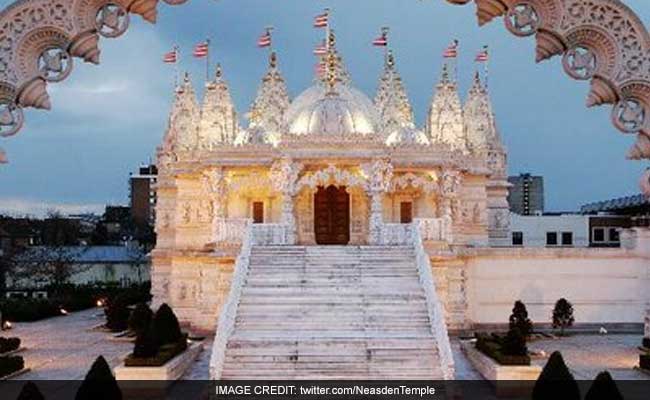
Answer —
526 195
143 195
550 230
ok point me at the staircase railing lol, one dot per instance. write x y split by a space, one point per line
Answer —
395 234
270 234
229 230
434 305
434 229
226 324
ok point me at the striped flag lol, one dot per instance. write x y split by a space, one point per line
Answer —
483 55
452 50
201 50
381 41
320 69
264 40
322 20
171 57
321 49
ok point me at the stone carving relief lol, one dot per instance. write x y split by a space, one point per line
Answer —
332 175
427 184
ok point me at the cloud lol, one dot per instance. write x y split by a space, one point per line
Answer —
21 207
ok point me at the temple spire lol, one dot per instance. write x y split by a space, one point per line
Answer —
266 116
219 124
480 128
444 125
182 128
391 99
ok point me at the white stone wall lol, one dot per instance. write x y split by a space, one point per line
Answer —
534 228
604 285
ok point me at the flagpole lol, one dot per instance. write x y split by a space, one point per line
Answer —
486 66
176 69
207 61
384 32
456 61
269 30
327 30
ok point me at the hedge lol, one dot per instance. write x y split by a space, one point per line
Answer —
71 298
9 344
491 346
11 364
165 353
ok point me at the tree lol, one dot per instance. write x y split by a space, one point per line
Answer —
51 265
30 392
166 327
563 315
556 381
519 319
99 384
603 388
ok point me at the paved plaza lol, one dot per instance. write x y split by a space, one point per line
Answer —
63 348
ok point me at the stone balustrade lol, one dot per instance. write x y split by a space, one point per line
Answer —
270 234
228 314
230 230
434 229
430 229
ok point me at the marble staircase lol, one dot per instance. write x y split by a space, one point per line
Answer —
335 312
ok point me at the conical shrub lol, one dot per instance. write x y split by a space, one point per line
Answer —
519 318
603 388
166 327
556 381
145 344
117 314
140 319
99 384
30 392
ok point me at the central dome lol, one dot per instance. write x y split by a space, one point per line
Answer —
346 111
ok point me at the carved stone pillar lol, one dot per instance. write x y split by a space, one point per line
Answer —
288 217
376 217
380 175
450 183
284 177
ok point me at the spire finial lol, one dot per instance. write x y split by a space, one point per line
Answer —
390 59
219 72
445 73
332 62
273 60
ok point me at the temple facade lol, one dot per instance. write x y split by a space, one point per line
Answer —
330 167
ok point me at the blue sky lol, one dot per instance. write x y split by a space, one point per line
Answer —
108 119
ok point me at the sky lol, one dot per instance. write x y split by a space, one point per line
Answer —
108 119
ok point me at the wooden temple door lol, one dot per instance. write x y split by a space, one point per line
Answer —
332 215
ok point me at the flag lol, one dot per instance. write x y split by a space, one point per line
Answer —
320 69
452 50
171 57
322 20
264 40
201 50
321 49
483 55
381 41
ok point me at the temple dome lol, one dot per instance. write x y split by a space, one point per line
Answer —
345 111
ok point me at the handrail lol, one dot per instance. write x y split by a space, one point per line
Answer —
228 315
434 305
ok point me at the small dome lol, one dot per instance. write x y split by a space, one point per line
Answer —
344 112
407 135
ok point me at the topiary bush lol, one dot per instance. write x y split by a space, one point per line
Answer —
99 384
140 319
514 343
145 344
603 388
519 319
646 342
556 381
563 315
492 346
166 328
9 344
644 361
11 364
30 392
117 314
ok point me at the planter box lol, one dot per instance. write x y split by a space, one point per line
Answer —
503 377
171 371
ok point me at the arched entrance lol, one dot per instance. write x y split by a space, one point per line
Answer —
332 215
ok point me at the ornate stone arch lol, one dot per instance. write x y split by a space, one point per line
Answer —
608 29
